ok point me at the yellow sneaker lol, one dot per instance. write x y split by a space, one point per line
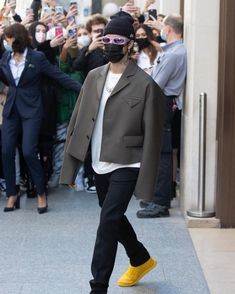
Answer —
135 273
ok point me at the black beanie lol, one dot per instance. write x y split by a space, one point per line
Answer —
120 24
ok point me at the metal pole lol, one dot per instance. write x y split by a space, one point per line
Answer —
202 161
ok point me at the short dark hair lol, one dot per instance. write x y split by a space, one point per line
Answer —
95 19
21 35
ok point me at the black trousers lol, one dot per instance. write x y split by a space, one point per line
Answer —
30 128
163 185
114 193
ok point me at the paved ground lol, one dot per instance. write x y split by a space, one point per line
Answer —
51 253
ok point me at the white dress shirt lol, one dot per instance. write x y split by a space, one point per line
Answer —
17 68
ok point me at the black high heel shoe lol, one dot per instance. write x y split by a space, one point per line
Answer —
15 206
44 209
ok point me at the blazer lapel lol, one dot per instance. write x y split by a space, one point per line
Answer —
122 83
124 80
101 80
6 68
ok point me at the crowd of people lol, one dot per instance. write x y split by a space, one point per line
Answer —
95 106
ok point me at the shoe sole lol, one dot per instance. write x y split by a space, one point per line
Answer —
141 276
90 192
154 216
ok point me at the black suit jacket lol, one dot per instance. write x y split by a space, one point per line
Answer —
27 94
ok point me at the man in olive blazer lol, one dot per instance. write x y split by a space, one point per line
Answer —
132 131
120 113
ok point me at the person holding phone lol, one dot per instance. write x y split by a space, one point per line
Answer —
147 4
66 100
38 31
23 69
10 7
89 58
148 48
72 13
92 55
83 38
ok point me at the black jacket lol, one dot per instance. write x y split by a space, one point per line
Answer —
86 62
27 94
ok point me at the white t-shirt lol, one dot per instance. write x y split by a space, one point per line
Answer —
101 167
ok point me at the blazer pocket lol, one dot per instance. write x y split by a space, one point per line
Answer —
133 141
133 101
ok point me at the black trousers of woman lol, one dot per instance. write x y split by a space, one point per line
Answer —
114 193
30 128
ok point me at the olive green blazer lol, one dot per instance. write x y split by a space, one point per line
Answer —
132 125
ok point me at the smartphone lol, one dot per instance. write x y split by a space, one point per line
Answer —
153 12
71 20
58 31
59 10
135 48
72 33
73 2
100 32
46 11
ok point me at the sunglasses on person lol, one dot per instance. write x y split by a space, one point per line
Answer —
115 40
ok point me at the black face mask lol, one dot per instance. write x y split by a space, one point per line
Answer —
142 43
113 52
159 39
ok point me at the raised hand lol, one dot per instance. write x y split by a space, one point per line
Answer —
57 41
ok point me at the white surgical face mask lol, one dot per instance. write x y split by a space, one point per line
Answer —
6 46
163 36
40 37
84 40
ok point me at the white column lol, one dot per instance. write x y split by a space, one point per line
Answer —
201 38
168 6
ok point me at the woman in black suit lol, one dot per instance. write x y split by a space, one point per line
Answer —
22 70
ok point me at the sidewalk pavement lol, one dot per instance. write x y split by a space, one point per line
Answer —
51 253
